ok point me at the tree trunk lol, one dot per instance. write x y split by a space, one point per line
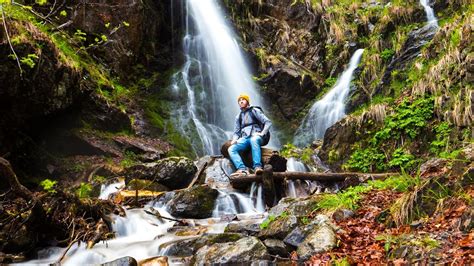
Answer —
7 172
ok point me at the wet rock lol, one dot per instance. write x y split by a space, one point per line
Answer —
299 234
342 214
124 261
243 228
189 247
187 230
155 261
279 228
320 240
245 250
297 207
410 50
218 171
143 184
173 172
276 247
196 202
149 149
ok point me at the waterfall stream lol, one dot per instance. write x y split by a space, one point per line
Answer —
430 16
331 108
214 74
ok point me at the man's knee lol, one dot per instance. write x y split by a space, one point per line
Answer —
232 148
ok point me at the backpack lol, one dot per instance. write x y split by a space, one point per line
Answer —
266 137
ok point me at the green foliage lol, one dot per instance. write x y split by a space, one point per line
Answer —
84 190
126 24
289 150
408 119
366 160
401 183
99 179
349 198
129 159
63 13
29 60
49 186
41 2
80 36
329 82
402 159
441 142
267 221
387 54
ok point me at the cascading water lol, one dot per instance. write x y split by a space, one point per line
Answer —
213 76
430 16
300 188
331 108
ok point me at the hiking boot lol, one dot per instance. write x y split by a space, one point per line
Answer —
258 170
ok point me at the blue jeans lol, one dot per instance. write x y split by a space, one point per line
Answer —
244 144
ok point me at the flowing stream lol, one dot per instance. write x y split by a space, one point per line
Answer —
214 74
430 16
331 108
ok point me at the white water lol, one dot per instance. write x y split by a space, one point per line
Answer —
430 16
299 188
106 190
330 109
213 76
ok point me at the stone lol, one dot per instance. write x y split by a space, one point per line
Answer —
279 228
433 167
342 214
245 250
321 240
189 247
143 184
251 229
297 207
155 261
173 172
124 261
276 247
197 202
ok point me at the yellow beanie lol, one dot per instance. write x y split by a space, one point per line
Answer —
245 96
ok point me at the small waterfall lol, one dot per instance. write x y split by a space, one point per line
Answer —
298 188
430 16
106 190
213 76
231 202
331 108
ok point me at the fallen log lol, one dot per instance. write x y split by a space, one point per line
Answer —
269 157
243 180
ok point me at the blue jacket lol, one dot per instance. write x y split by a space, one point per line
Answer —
248 126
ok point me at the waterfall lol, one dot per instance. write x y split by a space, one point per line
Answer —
429 12
299 188
331 108
213 76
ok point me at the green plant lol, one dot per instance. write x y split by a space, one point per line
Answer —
289 150
129 159
402 159
346 199
29 60
399 183
387 54
49 186
441 142
366 160
267 221
84 190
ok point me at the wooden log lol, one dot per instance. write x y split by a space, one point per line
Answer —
269 156
243 180
6 171
269 191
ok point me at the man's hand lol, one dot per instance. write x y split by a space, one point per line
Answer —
260 134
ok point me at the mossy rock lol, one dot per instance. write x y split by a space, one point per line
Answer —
189 247
197 202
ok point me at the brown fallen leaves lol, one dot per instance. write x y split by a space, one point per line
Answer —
358 242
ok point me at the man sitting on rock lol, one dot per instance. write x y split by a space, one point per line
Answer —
251 132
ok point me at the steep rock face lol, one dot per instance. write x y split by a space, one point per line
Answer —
49 86
135 31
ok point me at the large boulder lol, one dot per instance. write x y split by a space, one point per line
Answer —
173 172
197 202
245 250
124 261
